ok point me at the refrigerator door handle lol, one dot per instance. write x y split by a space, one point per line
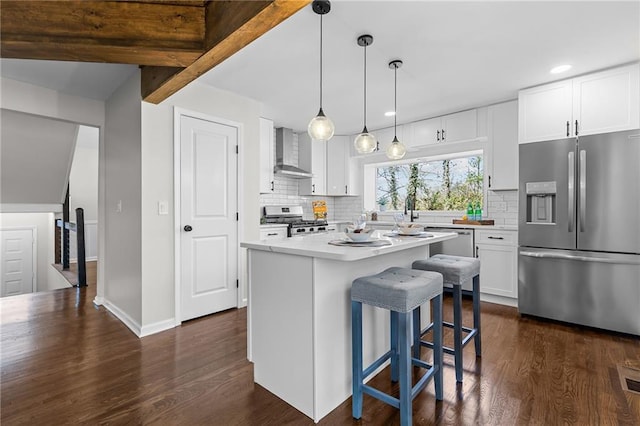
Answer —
570 187
583 189
550 255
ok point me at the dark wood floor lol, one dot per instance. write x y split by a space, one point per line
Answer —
65 361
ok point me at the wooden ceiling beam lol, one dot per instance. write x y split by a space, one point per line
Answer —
175 41
142 33
231 25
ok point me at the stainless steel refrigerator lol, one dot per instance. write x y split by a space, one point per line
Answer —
579 230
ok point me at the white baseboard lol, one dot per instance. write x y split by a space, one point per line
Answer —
157 327
500 300
122 316
139 331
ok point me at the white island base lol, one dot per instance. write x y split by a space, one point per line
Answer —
299 317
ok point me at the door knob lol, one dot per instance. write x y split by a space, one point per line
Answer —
188 228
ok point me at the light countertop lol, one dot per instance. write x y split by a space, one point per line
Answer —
372 223
317 245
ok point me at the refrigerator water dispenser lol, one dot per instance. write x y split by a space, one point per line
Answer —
541 202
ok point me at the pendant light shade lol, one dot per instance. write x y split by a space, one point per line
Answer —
321 127
365 142
396 150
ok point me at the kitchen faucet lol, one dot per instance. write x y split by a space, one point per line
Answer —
411 201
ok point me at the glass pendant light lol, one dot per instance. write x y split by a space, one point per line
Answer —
321 127
396 150
365 142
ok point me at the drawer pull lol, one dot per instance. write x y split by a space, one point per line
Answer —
496 238
272 234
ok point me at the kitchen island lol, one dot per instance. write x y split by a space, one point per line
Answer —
299 313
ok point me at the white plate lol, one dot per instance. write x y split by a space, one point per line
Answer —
408 234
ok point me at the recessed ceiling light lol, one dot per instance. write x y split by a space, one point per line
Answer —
560 68
390 113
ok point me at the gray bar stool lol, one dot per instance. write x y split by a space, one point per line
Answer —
456 270
401 291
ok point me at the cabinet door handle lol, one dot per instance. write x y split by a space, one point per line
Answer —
188 228
443 137
477 251
567 129
345 189
489 181
438 135
272 185
313 188
272 234
576 127
496 238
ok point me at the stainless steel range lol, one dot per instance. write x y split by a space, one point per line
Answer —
292 216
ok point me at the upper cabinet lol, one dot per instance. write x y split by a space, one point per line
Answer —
338 166
267 153
458 127
385 137
503 143
312 156
601 102
607 101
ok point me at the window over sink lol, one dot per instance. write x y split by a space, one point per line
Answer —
443 183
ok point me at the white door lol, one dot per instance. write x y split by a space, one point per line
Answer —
17 261
545 112
209 227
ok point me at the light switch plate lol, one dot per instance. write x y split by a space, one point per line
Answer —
163 208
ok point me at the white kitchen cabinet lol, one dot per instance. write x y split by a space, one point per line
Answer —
601 102
607 101
267 153
273 232
503 142
497 251
457 127
545 112
338 166
385 137
312 156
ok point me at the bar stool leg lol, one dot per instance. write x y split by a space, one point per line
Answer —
394 345
416 332
476 314
404 346
437 345
457 330
356 345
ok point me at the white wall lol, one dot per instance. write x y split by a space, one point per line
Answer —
47 277
83 179
157 184
122 291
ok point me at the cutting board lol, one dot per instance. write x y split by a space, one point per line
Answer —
473 222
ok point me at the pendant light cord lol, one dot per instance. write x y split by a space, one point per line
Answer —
365 85
320 62
395 100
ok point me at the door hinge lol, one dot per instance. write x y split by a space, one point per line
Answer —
237 216
237 283
236 149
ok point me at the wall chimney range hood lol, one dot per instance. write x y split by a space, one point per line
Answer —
285 156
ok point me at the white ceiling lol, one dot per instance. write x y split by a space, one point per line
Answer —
86 79
457 55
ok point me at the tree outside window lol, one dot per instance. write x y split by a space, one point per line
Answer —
440 185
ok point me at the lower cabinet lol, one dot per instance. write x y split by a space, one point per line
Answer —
498 254
273 233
